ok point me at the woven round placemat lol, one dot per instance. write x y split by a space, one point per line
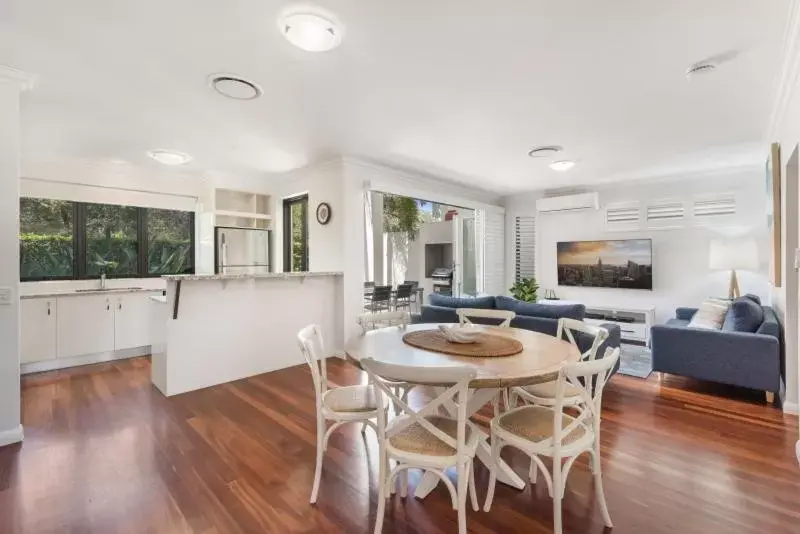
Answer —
487 345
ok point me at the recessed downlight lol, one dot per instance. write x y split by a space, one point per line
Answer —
544 151
170 157
312 32
563 165
236 87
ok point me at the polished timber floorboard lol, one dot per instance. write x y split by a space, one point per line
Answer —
104 452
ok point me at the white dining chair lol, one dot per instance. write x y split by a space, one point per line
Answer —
400 319
373 321
545 393
465 314
505 316
341 405
424 439
548 431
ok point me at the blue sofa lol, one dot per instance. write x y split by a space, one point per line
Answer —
746 352
530 316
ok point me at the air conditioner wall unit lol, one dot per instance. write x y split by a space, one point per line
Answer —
582 201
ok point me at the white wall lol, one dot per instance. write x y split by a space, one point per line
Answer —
681 276
10 427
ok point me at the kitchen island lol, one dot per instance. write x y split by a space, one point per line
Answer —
224 327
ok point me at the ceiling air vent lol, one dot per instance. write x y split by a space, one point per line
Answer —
231 86
544 151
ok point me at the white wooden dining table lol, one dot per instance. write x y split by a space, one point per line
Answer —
541 358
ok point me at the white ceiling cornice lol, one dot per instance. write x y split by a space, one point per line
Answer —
786 79
25 80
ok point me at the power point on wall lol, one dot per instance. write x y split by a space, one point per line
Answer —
5 296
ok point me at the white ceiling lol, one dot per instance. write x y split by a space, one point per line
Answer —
447 86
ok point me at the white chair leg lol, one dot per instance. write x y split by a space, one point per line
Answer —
320 450
473 493
557 495
383 474
598 483
404 484
492 473
462 497
364 428
506 399
496 404
533 471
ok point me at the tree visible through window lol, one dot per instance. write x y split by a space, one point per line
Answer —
295 234
46 240
75 240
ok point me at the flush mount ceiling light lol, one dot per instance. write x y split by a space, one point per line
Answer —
236 87
311 32
544 151
170 157
562 166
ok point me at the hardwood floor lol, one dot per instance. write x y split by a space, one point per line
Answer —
104 452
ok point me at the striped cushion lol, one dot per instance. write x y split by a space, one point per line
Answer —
710 315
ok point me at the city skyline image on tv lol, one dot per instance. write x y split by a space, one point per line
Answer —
624 264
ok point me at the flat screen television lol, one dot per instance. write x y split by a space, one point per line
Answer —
621 263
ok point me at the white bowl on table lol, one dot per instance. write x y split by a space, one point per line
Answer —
460 334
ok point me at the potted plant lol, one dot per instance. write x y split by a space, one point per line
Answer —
525 289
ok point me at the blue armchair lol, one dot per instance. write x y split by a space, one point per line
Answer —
745 355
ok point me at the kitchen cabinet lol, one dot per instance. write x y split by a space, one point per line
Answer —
85 325
131 320
38 327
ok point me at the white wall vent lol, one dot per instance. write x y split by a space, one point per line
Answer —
665 214
714 207
583 201
622 216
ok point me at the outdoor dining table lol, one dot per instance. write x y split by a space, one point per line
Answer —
541 358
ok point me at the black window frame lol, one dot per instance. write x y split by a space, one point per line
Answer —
287 231
79 265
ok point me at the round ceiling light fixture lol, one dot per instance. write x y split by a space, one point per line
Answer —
544 151
236 87
562 166
170 157
312 32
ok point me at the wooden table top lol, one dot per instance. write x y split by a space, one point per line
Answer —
541 357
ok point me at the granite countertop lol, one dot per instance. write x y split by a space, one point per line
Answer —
74 293
245 276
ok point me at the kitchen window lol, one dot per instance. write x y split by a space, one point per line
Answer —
295 234
62 240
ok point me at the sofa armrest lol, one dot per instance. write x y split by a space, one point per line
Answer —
685 314
735 358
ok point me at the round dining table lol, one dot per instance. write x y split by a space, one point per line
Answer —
541 357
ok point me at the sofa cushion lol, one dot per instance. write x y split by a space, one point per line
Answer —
710 315
744 315
754 298
505 303
552 311
485 303
678 322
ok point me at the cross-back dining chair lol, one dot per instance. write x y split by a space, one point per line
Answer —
373 321
544 394
466 314
422 438
541 431
341 405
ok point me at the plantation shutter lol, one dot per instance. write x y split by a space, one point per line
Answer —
494 251
524 247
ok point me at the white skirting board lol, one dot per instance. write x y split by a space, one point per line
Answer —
75 361
790 407
7 437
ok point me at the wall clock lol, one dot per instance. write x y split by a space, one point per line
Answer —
323 213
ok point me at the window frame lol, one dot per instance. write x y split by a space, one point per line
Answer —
287 231
79 265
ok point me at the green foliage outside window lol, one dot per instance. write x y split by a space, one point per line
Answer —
401 214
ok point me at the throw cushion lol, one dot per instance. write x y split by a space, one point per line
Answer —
754 298
485 303
744 315
710 315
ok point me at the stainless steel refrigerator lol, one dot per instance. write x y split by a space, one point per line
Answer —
242 250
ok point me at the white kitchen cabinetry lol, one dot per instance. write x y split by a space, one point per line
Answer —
131 321
38 319
85 325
